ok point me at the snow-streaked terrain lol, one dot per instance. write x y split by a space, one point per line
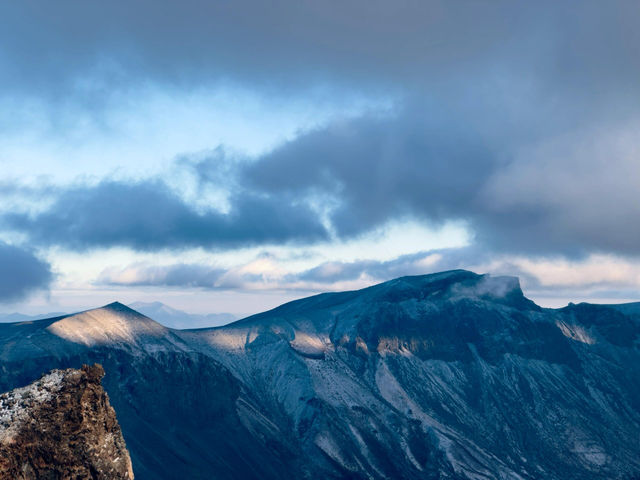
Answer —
452 375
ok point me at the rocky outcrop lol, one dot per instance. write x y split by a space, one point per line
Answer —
60 427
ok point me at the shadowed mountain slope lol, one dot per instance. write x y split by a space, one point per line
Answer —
451 375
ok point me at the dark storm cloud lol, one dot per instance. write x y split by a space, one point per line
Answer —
149 216
22 273
50 45
69 46
416 164
177 275
507 120
575 194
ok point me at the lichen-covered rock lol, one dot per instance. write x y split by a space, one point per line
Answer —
62 427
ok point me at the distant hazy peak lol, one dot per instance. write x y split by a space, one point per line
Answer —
174 318
136 305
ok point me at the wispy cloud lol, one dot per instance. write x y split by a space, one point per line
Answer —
595 277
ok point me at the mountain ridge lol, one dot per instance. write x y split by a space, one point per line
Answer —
501 281
450 375
503 285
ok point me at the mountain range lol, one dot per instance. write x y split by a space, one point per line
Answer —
160 312
452 375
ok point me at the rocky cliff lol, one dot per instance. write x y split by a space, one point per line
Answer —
61 427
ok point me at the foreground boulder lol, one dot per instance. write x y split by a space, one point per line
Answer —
62 426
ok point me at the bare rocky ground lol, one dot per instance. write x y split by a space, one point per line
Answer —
62 427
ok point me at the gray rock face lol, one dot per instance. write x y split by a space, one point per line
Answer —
62 426
452 375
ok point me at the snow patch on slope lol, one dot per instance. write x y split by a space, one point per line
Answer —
575 332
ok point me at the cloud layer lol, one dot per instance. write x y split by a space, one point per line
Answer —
573 194
516 119
285 43
148 215
549 280
22 273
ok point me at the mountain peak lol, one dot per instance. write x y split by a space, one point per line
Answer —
457 285
115 304
113 323
155 307
120 307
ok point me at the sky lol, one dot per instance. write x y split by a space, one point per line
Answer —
230 156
